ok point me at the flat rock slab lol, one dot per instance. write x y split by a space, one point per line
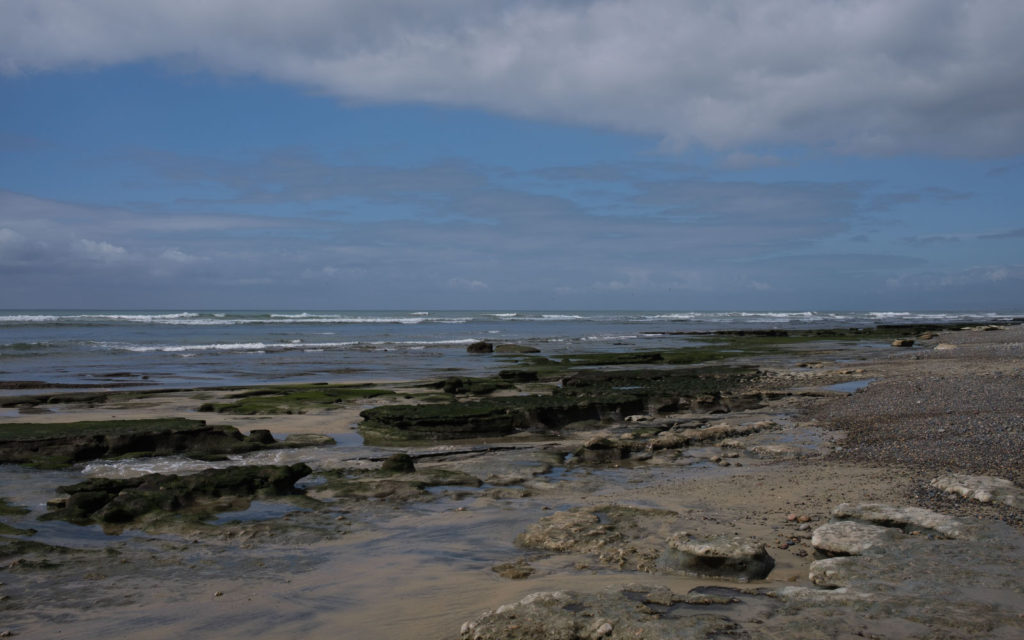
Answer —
849 538
982 489
908 519
719 557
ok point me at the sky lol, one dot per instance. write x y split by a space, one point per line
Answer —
499 154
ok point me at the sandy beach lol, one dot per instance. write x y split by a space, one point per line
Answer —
838 429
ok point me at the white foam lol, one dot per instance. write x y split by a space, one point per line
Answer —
293 345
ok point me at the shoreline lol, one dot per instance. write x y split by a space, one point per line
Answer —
394 584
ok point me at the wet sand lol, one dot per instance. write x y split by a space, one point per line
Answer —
419 569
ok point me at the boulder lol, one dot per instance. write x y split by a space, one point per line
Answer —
902 342
718 557
849 538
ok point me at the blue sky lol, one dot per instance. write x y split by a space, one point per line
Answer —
778 154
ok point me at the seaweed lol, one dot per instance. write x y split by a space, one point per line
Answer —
291 399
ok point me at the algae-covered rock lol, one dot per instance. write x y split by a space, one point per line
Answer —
480 347
490 418
59 444
515 348
120 501
398 463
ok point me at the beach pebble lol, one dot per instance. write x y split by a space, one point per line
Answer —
602 631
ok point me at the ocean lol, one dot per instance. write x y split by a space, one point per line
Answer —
167 349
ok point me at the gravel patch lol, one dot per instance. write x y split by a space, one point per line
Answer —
941 411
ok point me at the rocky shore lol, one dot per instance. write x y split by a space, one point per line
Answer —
765 486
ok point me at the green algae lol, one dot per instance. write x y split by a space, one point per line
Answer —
8 509
291 399
43 430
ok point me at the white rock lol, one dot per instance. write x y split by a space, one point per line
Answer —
982 488
721 556
907 518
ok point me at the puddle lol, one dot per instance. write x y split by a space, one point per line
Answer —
258 511
849 387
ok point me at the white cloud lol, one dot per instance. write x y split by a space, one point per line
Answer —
974 276
873 76
100 251
178 256
467 284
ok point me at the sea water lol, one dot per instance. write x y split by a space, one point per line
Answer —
194 348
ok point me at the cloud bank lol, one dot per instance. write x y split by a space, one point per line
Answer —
867 77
